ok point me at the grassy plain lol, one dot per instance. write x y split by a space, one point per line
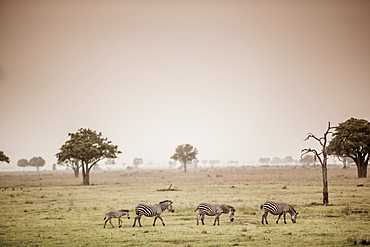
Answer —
54 209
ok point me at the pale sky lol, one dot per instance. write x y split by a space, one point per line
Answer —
239 80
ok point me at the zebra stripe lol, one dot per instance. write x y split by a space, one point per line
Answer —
214 210
278 208
146 210
152 211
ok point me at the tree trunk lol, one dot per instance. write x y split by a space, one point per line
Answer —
184 166
85 175
361 168
77 172
325 192
86 178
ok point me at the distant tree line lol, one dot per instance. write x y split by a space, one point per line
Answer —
277 161
85 148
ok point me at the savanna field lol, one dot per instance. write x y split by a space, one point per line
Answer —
54 209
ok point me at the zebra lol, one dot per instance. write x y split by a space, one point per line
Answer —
152 211
116 214
214 210
278 208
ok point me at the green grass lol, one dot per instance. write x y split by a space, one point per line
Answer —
53 209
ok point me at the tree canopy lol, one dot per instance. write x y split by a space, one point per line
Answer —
36 162
185 153
89 147
4 158
352 139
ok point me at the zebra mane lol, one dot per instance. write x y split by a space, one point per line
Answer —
227 208
291 208
165 201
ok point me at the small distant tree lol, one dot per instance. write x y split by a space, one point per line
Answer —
345 160
204 162
233 162
307 159
72 163
4 158
185 153
276 161
110 162
172 163
22 163
264 161
352 139
88 147
195 163
322 156
37 162
137 161
214 162
288 160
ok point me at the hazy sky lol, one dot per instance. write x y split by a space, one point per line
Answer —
239 80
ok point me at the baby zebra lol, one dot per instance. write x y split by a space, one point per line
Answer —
116 214
152 211
214 210
278 208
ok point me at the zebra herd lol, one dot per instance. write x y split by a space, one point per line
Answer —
203 209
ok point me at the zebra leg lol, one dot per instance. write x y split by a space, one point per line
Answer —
155 219
202 219
284 218
138 219
198 218
277 222
264 216
105 222
161 220
217 218
119 222
110 221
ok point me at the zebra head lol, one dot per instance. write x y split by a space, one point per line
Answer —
229 210
293 214
125 212
167 204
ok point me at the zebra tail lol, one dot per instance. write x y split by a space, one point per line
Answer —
105 217
261 206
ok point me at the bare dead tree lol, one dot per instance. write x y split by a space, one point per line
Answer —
322 156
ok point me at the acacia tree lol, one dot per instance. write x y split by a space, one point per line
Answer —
89 148
36 162
322 156
22 163
352 139
185 153
4 158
